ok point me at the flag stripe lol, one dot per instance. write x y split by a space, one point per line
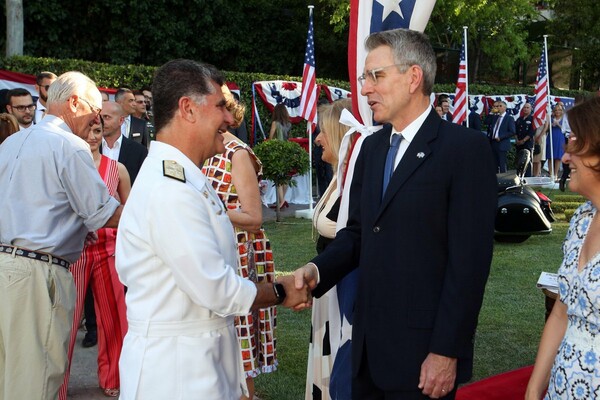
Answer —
308 97
460 97
541 92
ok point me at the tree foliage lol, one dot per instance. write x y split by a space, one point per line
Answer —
498 32
236 35
576 25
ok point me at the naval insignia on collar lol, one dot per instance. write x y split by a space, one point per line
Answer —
173 170
420 154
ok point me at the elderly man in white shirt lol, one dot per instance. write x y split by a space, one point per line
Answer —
176 253
51 197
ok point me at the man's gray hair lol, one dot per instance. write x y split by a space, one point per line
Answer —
410 48
71 83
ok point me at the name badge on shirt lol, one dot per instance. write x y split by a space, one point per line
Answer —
136 134
173 170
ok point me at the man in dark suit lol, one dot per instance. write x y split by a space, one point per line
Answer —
423 245
501 129
525 133
132 127
116 146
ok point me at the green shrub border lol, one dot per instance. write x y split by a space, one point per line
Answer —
138 76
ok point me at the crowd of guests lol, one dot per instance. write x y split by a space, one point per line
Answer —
168 235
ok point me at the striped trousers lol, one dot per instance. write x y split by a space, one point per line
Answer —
97 267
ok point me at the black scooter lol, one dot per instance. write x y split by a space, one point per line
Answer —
521 212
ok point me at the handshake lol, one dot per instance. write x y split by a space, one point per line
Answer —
298 287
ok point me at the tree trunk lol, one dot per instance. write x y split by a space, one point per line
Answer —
14 28
278 200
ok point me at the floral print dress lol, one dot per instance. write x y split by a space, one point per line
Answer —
576 370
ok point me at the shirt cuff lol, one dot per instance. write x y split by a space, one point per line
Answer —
316 269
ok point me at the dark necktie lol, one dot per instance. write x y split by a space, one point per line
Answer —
389 161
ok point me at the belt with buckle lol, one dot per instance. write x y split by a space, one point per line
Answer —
34 255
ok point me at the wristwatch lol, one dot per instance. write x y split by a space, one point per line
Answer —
279 292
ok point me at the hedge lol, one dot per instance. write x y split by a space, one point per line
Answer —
138 76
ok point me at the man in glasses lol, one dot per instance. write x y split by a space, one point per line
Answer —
420 231
20 104
42 83
51 197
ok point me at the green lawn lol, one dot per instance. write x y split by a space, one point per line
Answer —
510 322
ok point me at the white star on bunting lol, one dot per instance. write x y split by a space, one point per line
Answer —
390 6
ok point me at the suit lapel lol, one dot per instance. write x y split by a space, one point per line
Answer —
418 151
380 151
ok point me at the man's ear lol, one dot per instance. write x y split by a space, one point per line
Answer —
416 78
73 102
186 109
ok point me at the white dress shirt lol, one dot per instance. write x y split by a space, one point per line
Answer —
408 134
114 152
40 111
51 194
125 126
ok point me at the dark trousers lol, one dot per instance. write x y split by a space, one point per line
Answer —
499 156
566 169
89 311
363 387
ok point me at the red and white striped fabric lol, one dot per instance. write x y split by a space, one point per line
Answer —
461 103
308 98
541 93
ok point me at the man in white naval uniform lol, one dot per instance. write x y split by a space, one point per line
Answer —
176 253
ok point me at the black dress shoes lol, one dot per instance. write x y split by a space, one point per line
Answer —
90 339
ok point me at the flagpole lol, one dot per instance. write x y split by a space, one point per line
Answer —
466 73
548 110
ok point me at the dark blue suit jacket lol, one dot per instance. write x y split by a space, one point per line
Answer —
423 252
506 130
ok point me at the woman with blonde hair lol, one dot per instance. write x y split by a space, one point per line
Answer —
326 320
556 140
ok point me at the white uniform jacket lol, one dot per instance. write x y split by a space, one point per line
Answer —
176 253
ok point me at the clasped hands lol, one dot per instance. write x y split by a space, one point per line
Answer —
298 287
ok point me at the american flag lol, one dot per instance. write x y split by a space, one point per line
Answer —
461 97
308 99
368 16
541 93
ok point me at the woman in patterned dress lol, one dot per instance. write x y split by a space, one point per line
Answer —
96 266
568 360
234 176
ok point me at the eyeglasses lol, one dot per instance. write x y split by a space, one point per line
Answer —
372 75
94 109
29 107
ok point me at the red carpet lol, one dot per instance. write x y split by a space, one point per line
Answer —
507 386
